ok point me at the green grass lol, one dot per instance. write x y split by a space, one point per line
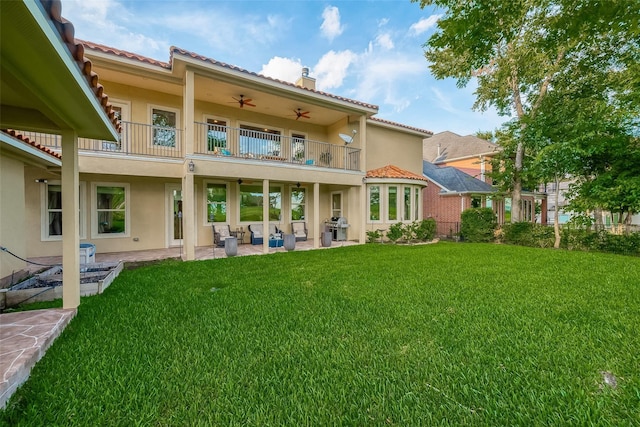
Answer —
446 334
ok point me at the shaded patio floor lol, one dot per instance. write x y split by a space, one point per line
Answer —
26 336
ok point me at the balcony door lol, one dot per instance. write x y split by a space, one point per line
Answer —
174 215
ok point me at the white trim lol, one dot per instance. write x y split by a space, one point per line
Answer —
44 211
169 188
125 108
94 210
380 201
341 203
150 108
293 188
205 201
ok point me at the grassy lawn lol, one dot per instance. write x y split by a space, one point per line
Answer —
446 334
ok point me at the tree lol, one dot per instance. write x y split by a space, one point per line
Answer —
518 49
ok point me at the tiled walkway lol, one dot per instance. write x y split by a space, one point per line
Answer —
26 336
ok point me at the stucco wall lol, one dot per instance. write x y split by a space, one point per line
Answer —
389 147
12 219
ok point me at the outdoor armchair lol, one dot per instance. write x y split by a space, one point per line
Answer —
221 232
299 229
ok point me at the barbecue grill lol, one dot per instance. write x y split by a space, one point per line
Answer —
338 228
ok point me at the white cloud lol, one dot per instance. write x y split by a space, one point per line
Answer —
424 24
331 69
384 41
331 27
286 69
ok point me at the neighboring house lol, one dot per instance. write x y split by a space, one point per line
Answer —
46 85
205 143
470 154
473 156
450 192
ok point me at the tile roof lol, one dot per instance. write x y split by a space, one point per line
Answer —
178 51
447 145
454 180
387 122
391 171
26 140
67 32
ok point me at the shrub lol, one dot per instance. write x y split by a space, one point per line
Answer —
478 225
425 230
528 234
602 241
395 232
373 236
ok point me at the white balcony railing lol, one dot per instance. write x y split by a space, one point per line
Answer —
217 141
242 143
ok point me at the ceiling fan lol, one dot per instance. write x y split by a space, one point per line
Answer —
300 113
244 102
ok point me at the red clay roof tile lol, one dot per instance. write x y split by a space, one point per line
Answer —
26 140
66 30
391 171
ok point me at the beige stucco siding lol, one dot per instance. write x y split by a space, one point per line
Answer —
12 221
389 147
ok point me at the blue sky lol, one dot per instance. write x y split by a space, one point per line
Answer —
371 51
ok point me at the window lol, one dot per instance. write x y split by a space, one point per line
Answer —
374 203
51 228
216 134
54 210
407 203
336 205
164 124
476 202
251 202
298 204
416 207
110 214
259 141
298 147
392 203
216 202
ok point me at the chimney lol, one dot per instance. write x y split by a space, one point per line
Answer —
439 145
305 81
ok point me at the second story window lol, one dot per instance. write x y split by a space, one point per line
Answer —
164 127
257 142
216 134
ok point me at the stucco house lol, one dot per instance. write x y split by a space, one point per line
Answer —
202 143
46 86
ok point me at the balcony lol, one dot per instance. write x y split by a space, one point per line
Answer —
217 142
251 144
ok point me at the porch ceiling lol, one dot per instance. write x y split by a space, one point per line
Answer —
41 86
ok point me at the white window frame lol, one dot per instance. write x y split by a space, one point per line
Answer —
44 211
150 108
261 128
386 202
304 140
94 210
380 201
205 118
306 195
206 201
280 188
341 203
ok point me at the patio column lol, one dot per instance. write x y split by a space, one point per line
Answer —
188 199
265 216
316 215
362 235
70 221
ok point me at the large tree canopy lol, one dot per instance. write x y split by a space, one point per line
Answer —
520 51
